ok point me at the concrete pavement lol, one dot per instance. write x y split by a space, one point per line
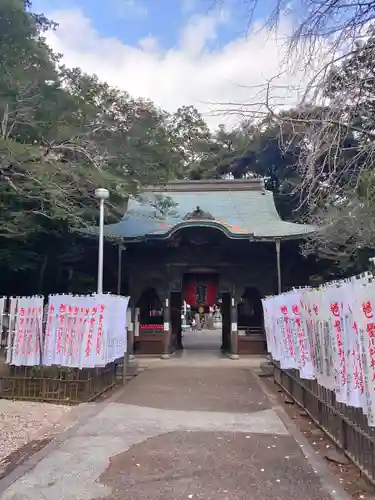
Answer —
202 340
179 433
201 349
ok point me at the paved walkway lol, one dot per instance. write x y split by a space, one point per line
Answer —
178 433
202 340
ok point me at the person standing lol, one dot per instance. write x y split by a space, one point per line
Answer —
198 323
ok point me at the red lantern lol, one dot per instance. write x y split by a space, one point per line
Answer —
200 290
190 286
211 294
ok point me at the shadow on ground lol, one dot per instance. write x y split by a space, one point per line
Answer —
204 389
213 466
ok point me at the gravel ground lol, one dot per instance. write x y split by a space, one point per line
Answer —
23 422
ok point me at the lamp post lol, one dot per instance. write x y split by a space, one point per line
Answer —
101 194
278 263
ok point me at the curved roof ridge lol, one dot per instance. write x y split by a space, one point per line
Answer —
209 185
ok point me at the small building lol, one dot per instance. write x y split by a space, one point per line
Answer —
205 243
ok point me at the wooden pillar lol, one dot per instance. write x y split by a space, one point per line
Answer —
131 365
278 264
234 329
119 267
225 310
130 332
167 328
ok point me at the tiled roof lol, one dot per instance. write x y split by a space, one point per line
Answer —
241 209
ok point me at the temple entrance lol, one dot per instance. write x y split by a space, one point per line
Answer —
200 316
213 236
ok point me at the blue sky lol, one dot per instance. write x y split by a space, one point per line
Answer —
131 20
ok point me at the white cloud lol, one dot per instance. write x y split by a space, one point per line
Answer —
149 43
189 73
199 31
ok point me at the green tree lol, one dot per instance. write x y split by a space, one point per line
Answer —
190 136
64 133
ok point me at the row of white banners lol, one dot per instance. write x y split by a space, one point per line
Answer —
328 334
72 331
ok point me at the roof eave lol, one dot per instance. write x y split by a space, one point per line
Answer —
296 236
202 223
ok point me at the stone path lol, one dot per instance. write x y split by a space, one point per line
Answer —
178 433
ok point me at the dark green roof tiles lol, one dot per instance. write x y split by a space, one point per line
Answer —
241 209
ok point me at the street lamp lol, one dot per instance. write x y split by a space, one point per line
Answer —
101 194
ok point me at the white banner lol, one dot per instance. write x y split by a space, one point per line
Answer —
85 331
79 331
328 334
25 338
2 317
